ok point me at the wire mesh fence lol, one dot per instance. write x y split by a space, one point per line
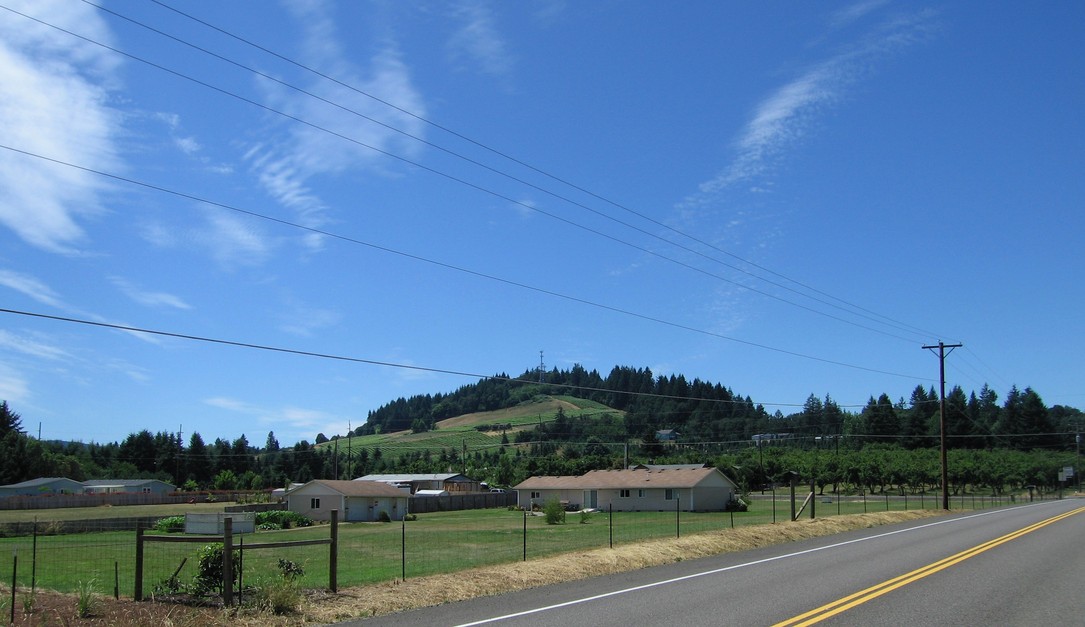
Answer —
438 542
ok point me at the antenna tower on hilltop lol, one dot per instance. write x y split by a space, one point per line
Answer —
542 367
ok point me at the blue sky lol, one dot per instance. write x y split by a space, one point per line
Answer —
787 198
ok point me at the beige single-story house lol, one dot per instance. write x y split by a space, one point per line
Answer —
42 486
633 490
357 501
122 486
451 482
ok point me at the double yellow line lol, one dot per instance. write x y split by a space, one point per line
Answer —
873 592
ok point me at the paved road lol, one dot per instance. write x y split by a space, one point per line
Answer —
1015 566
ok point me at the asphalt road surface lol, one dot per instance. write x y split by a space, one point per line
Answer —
1015 566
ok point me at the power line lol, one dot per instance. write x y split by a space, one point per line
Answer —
360 360
504 155
449 266
899 326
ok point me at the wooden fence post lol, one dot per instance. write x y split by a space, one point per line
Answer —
333 557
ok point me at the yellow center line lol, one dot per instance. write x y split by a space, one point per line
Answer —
873 592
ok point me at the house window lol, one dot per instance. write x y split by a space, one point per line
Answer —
623 494
670 494
146 490
536 495
314 503
640 494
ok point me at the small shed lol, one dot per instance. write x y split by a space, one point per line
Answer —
357 501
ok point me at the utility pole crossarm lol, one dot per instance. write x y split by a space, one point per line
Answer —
942 346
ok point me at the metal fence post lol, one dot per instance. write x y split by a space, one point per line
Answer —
525 535
138 592
610 520
227 561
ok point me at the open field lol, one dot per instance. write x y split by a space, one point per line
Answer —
95 513
399 595
436 543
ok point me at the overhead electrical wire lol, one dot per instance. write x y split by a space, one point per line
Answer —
898 325
361 360
457 179
449 266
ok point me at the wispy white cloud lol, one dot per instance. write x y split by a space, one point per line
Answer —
148 298
32 287
53 92
287 420
31 347
479 39
854 12
788 114
233 241
13 387
286 164
304 321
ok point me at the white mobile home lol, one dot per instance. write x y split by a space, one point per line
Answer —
688 489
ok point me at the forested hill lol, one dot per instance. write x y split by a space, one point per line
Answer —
650 402
711 412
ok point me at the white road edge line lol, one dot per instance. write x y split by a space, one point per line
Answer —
547 608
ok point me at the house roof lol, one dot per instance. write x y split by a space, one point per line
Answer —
34 483
356 487
623 479
128 483
448 476
665 466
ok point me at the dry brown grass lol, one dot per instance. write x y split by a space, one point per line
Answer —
393 597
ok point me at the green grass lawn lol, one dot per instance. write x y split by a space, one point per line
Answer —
95 513
435 543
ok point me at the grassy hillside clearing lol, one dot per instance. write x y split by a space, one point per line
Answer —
454 433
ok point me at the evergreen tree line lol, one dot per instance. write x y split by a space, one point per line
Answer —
711 421
710 412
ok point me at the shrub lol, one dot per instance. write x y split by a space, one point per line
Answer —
736 505
278 596
290 570
554 512
410 517
585 516
209 570
384 517
284 519
170 524
84 606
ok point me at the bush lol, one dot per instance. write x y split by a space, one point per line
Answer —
384 517
84 606
170 524
410 517
284 519
585 516
209 570
278 596
554 512
736 505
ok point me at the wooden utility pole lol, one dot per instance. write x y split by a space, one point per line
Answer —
942 414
